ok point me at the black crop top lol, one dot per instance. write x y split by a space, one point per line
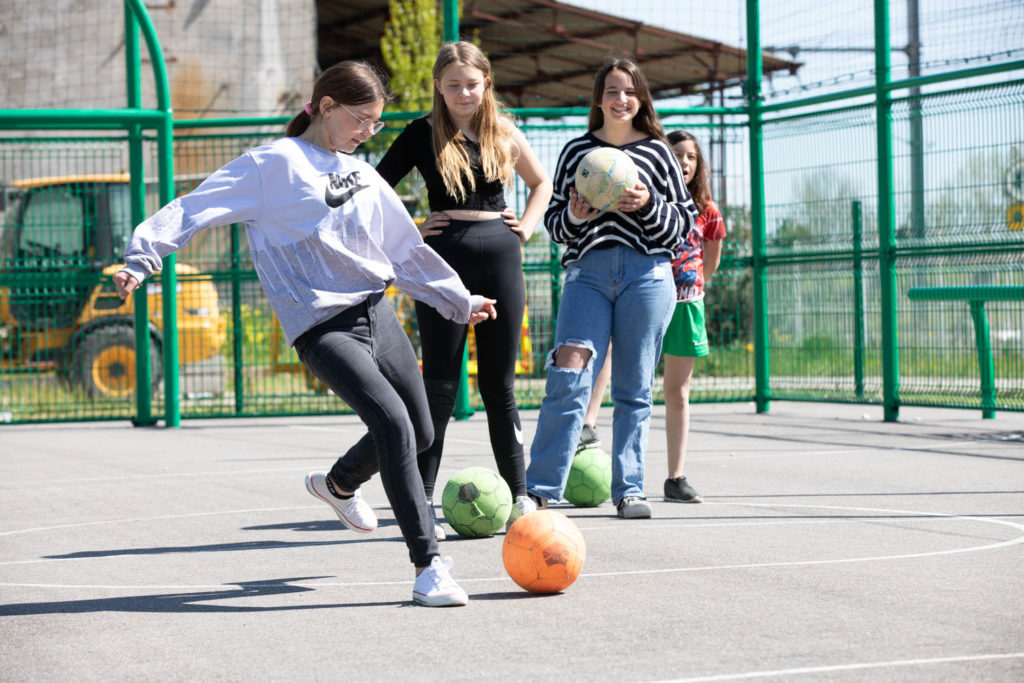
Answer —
413 147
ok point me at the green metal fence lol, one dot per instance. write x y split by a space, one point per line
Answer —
847 206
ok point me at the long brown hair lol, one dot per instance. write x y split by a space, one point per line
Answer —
349 82
698 186
493 129
646 120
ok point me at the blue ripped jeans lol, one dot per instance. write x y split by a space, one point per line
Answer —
615 292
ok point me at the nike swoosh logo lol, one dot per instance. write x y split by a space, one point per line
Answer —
336 199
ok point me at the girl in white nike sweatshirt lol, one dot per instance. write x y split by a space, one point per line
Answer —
327 237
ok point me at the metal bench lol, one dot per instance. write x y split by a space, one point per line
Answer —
976 298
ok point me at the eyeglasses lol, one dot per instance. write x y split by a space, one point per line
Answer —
366 126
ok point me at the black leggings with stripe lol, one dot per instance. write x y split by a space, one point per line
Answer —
487 255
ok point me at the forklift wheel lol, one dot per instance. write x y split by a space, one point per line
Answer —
104 363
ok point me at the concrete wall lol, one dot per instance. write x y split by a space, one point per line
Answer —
223 56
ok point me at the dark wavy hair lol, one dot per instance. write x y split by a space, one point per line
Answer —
351 82
646 119
698 185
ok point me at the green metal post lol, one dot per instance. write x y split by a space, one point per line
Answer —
169 276
450 34
143 362
169 283
236 319
463 408
450 27
858 300
886 217
986 367
555 273
762 391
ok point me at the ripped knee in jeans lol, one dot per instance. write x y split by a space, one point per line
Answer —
572 354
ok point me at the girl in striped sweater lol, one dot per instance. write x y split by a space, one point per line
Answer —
618 283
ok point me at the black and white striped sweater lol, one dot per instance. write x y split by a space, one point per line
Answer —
657 228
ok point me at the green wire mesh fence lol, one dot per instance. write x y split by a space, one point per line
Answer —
958 198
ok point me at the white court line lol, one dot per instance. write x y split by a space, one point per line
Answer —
636 572
659 527
129 477
794 452
781 522
184 515
849 667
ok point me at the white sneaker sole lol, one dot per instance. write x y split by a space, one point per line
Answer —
341 515
696 499
635 513
445 600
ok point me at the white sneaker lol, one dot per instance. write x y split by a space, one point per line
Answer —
522 505
353 512
435 586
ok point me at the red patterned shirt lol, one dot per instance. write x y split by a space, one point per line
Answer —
688 263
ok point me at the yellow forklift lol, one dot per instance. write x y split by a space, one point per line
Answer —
62 238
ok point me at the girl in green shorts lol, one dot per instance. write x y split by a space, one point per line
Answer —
687 339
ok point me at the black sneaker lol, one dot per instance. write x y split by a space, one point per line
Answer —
634 507
588 438
678 490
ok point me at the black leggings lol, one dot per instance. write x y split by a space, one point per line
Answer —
364 356
487 255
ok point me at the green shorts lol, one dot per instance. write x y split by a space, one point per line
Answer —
687 335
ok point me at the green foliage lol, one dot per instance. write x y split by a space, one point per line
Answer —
411 39
729 306
974 198
821 211
256 327
790 232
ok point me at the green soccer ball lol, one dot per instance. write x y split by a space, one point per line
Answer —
590 478
476 502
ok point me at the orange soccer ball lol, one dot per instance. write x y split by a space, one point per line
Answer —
543 551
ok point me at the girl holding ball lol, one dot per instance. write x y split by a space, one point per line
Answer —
618 283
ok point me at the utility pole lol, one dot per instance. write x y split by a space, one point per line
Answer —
916 123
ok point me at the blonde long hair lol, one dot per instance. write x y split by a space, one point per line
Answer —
493 129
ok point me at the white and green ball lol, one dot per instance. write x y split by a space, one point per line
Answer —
590 478
476 502
603 175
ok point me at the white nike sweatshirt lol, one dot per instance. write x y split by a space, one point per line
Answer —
325 232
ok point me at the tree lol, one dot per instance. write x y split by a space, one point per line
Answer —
973 201
821 212
411 39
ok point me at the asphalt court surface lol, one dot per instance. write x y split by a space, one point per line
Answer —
831 546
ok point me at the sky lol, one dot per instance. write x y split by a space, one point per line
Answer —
833 39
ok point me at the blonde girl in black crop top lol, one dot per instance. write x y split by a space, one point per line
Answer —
469 153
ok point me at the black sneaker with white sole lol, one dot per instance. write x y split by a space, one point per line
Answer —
678 490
